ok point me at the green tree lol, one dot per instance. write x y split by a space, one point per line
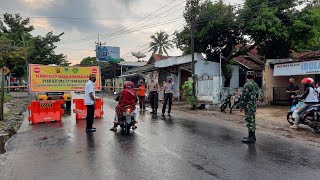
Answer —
12 57
215 31
37 49
89 61
92 61
160 43
43 50
16 28
277 27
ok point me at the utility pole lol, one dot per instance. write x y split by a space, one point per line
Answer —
99 44
192 60
220 71
5 50
27 63
2 95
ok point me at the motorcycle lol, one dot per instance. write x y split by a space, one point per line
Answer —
226 103
128 118
233 101
236 103
310 117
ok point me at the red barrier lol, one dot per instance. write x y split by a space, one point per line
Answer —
45 111
81 109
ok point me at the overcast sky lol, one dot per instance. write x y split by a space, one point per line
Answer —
83 20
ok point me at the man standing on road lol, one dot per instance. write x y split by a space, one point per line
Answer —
142 95
89 101
153 88
168 89
292 91
248 102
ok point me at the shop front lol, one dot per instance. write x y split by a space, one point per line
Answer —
278 72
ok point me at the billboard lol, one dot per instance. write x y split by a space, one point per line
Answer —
44 78
108 54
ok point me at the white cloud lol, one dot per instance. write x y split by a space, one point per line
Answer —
42 24
37 4
80 35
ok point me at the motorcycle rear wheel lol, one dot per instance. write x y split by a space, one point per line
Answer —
290 119
126 128
316 129
236 105
223 106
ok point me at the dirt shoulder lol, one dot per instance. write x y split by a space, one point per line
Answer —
270 120
13 112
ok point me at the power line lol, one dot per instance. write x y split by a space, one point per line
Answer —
145 44
125 28
146 27
141 28
153 20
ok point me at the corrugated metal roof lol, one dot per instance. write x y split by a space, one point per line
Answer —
132 64
141 69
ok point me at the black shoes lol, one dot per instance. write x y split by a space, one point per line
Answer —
153 112
251 139
91 130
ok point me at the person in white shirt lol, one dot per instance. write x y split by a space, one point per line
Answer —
89 101
310 98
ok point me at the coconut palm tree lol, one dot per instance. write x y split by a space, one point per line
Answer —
160 43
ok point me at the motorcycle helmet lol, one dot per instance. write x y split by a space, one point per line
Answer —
307 80
128 84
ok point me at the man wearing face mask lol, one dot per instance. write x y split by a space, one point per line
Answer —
153 88
89 101
142 95
168 89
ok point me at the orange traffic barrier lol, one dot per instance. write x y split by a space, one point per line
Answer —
45 111
81 109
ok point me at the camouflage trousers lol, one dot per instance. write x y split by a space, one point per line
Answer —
250 119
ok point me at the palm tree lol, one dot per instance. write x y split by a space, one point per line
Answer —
160 43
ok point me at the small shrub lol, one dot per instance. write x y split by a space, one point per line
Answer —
187 92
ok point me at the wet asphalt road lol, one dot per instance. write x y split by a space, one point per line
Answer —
179 147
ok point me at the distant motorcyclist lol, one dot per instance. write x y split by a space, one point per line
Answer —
310 98
127 97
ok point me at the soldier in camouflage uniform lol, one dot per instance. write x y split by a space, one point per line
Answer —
249 104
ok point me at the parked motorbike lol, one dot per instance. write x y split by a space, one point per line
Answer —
232 101
236 103
310 117
226 103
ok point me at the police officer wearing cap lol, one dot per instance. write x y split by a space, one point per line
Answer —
248 102
168 90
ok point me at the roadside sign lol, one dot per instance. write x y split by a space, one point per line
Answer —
108 54
5 70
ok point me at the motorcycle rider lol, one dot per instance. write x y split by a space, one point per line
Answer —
310 98
127 97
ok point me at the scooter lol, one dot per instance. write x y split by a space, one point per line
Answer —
128 118
310 117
